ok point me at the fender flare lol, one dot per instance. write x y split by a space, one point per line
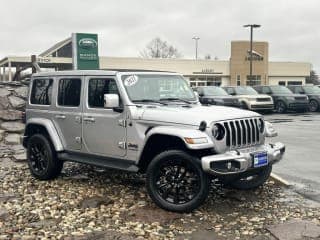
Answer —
181 133
49 126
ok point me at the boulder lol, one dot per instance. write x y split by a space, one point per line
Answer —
4 103
1 134
12 139
16 102
22 92
20 157
4 92
17 127
10 115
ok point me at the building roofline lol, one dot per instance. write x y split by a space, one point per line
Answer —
55 47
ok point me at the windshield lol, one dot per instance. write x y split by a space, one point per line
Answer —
245 91
280 90
145 87
214 91
311 89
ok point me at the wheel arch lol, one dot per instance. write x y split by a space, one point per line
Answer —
159 139
44 126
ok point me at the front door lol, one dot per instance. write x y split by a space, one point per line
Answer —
67 112
104 131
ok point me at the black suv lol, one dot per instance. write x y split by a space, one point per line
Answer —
313 92
213 95
284 99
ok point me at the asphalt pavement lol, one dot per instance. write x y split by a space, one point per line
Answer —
300 132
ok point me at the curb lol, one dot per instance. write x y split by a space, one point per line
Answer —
280 180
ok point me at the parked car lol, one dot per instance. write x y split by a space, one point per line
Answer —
313 93
250 98
284 99
119 120
213 95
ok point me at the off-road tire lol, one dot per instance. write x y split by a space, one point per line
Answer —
280 107
42 158
257 179
177 159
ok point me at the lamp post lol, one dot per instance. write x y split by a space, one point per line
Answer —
196 41
251 26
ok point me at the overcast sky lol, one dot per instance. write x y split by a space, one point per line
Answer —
292 28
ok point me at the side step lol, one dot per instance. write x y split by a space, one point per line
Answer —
104 162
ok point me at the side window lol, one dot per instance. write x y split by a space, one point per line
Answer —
266 90
97 88
69 92
41 91
230 91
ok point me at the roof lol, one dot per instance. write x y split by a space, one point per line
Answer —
94 72
55 47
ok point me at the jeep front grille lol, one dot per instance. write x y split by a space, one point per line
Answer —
242 133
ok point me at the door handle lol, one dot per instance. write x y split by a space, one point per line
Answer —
89 119
60 116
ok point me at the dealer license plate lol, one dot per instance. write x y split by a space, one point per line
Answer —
260 159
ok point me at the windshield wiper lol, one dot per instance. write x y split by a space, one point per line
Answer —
175 99
149 100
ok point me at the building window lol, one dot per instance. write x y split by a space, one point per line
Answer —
238 80
69 92
294 83
41 91
282 83
255 80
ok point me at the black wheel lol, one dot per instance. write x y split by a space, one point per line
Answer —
253 180
42 159
176 181
313 106
281 107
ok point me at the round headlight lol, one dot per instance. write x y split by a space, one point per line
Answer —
261 125
218 131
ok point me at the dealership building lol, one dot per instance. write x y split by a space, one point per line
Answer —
200 72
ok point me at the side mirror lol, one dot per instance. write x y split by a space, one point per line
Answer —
111 100
197 94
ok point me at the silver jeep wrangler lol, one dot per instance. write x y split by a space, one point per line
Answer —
148 122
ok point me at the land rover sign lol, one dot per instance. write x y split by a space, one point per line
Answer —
85 51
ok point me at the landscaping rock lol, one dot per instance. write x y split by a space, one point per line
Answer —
10 115
4 92
20 157
12 139
16 102
94 202
1 134
3 214
17 127
22 92
4 103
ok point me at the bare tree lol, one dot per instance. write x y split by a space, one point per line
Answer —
158 48
313 78
207 56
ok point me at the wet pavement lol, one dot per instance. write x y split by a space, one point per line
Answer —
300 132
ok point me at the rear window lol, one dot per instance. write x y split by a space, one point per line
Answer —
41 91
69 92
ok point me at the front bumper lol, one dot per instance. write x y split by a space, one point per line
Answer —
238 161
297 105
266 106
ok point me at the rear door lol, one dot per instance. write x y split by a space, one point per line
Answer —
67 114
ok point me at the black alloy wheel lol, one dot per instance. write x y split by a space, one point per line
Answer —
176 182
281 107
42 160
313 106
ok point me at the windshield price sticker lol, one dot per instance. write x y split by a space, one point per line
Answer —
131 80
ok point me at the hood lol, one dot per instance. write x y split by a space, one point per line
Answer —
193 115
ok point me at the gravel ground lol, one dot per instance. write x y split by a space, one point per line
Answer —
88 203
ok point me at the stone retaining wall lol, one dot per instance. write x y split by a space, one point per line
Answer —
13 97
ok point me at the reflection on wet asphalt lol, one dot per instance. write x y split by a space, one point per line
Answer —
301 164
